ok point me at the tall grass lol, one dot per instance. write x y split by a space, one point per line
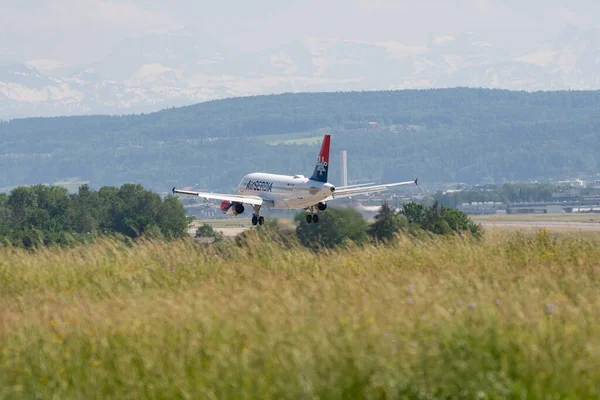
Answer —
506 317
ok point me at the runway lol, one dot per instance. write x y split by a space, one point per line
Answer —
584 226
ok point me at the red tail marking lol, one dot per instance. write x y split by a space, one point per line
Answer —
324 153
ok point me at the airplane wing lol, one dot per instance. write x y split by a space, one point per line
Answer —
254 200
353 191
354 186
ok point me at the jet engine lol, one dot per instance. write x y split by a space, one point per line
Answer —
231 207
322 206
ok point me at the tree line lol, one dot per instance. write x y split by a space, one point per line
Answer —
442 135
44 215
47 215
506 193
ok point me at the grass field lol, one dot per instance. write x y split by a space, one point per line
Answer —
504 318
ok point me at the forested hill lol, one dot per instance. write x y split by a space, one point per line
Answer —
438 135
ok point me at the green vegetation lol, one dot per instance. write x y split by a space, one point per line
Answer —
46 215
506 193
445 135
339 226
439 219
207 231
335 227
49 215
387 224
440 317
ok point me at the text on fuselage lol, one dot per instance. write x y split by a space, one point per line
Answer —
262 186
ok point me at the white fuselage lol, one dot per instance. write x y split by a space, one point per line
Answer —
283 191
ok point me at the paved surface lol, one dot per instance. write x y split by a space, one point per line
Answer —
587 226
229 231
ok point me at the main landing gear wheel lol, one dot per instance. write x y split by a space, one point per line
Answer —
312 218
256 219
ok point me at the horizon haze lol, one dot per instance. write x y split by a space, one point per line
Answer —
73 57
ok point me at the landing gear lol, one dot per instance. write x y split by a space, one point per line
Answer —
312 217
256 218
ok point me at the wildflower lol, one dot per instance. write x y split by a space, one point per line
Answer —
410 302
498 302
472 306
550 309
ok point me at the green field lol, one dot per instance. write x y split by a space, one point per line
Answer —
508 317
71 184
310 137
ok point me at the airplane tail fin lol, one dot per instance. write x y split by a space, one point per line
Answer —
320 173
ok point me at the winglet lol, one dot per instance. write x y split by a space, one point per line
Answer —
416 181
173 189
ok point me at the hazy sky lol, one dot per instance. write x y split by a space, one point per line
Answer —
82 31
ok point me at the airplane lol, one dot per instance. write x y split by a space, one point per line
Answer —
273 191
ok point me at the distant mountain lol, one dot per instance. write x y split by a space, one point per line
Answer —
166 70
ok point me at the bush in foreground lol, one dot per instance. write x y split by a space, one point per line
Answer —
336 226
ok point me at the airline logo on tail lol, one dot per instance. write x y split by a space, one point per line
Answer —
320 173
321 165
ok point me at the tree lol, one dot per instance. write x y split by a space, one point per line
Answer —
439 219
207 231
22 202
336 225
44 215
414 212
171 218
387 223
458 221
